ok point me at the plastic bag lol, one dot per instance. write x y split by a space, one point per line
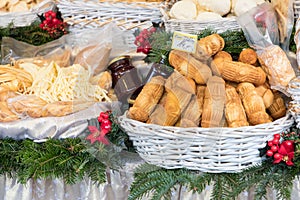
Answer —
261 31
93 49
14 51
285 18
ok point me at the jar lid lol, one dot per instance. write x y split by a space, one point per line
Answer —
118 58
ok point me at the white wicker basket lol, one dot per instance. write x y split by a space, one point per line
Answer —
194 26
296 9
213 150
94 14
20 19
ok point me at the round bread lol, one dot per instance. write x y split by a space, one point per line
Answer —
184 10
222 8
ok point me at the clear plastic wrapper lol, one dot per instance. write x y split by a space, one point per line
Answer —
262 33
92 49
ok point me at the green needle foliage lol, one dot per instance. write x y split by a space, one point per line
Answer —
32 34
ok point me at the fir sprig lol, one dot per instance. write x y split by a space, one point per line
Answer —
32 34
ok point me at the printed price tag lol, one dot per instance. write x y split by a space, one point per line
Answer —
184 42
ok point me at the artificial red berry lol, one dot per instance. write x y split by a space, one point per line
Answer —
274 148
270 143
269 153
53 14
152 30
277 156
277 136
275 141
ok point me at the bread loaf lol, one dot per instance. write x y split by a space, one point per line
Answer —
209 46
277 66
240 72
277 109
189 66
253 104
234 111
147 99
214 102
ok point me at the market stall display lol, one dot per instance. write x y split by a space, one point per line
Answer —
210 108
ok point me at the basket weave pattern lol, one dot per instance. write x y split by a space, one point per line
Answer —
94 14
194 26
213 150
296 9
20 19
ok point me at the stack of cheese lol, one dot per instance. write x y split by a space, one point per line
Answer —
207 10
209 89
30 90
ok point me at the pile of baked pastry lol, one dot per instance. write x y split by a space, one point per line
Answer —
17 5
209 89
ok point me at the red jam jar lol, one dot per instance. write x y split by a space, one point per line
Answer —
125 79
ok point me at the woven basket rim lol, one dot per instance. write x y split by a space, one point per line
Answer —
34 10
287 117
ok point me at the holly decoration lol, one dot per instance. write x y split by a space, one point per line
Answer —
281 151
143 41
105 128
52 22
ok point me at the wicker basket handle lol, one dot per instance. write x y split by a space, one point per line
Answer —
43 6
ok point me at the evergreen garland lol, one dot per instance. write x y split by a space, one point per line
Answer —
32 34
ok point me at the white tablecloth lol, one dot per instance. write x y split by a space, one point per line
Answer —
117 189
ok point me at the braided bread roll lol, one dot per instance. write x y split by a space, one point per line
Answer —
277 109
240 72
209 46
189 66
234 111
253 104
214 102
147 99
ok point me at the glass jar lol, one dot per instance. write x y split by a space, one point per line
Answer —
125 79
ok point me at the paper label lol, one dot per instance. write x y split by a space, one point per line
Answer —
184 42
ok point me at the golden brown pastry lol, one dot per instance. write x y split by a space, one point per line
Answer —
277 109
104 80
240 72
189 66
63 108
209 46
200 98
214 102
277 66
217 62
159 115
176 102
234 111
176 80
28 104
94 58
192 111
6 115
186 123
147 99
253 104
248 56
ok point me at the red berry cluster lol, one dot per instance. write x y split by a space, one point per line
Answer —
105 123
54 26
273 145
142 40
